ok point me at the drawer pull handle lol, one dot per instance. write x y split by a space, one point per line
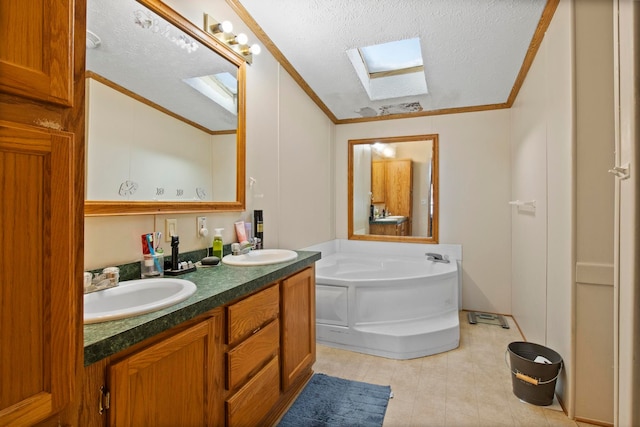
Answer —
255 331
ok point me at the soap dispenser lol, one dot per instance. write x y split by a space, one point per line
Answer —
217 243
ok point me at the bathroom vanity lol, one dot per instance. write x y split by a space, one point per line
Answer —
236 353
390 226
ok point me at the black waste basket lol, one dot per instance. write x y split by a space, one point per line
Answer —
533 382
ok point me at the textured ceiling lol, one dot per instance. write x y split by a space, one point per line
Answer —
151 64
472 50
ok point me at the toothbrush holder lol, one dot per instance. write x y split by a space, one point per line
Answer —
152 266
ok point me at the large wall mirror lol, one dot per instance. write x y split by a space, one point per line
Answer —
393 189
165 113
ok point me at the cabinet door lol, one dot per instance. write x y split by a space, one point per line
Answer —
38 319
399 187
298 334
35 49
173 383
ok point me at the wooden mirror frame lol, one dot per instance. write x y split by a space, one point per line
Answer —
382 238
105 208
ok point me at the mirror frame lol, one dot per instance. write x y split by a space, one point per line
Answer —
381 238
105 208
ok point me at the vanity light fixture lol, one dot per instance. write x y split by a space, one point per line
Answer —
238 43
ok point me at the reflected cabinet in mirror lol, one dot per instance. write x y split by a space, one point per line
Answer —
165 113
393 189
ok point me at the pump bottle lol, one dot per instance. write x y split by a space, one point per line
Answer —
217 243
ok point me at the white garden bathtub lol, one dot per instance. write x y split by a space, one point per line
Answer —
387 299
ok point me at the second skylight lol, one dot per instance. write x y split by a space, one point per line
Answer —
390 70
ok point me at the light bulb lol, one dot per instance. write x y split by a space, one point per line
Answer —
226 26
242 38
255 49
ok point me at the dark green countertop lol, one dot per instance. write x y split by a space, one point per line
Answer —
387 220
217 286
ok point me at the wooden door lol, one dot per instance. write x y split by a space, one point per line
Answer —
298 334
38 315
176 382
36 49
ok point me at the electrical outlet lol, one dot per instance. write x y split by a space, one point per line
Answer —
170 228
201 226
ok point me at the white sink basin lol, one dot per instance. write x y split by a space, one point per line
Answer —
134 297
260 257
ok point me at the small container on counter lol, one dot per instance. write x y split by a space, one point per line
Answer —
152 265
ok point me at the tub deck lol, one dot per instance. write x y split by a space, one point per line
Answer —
367 304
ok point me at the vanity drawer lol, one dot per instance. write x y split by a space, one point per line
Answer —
251 354
247 316
253 401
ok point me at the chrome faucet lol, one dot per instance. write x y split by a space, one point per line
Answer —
245 247
437 257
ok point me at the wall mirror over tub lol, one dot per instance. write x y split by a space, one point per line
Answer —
393 189
165 113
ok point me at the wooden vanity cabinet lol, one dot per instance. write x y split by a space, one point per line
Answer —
174 382
298 304
281 364
253 370
390 229
238 365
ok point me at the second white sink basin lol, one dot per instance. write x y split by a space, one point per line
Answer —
134 297
260 257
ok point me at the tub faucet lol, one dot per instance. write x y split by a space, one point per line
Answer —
437 257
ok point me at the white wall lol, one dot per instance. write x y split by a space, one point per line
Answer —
306 175
289 153
361 188
542 163
475 181
131 140
558 56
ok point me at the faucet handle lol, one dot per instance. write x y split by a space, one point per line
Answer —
235 248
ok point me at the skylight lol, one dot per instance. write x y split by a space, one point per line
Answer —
393 56
221 88
390 70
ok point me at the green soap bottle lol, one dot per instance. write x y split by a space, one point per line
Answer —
217 243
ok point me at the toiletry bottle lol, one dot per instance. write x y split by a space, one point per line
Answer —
175 241
257 218
217 243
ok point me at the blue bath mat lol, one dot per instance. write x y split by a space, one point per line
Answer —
335 402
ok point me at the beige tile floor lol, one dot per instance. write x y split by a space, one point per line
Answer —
468 386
